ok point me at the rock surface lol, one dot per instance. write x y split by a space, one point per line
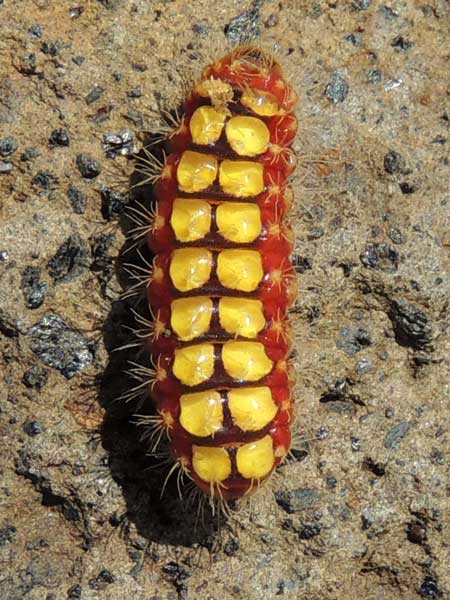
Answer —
362 509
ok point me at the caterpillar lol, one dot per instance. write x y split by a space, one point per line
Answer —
222 280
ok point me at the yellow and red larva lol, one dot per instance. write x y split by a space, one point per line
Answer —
222 280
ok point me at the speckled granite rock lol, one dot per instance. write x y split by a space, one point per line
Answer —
363 511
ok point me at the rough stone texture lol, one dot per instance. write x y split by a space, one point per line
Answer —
362 511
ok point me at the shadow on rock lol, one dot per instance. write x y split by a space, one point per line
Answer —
165 520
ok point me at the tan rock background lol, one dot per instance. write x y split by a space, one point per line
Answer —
363 511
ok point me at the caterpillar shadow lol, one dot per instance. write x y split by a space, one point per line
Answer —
163 519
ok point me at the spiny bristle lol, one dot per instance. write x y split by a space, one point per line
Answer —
165 123
149 166
140 275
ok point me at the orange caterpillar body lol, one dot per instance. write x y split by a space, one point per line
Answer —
222 279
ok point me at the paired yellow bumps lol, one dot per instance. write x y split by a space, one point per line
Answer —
241 178
251 408
247 136
242 360
190 268
191 317
254 460
238 222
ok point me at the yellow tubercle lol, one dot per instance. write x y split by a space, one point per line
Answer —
211 464
251 408
240 269
241 178
206 125
260 102
239 222
248 136
157 274
281 452
219 92
246 361
193 365
196 171
201 413
256 459
190 219
241 316
190 268
191 317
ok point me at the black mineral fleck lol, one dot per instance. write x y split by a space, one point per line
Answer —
395 435
28 64
7 535
355 443
51 48
29 154
113 203
296 500
59 346
94 94
103 579
354 38
201 27
88 166
301 263
353 339
388 12
32 428
76 12
35 30
340 398
8 325
374 76
396 235
45 180
244 27
74 593
407 188
416 532
35 377
119 144
411 325
179 575
309 531
135 92
103 263
175 570
78 60
331 482
139 67
393 162
8 146
34 290
361 4
71 512
430 588
59 137
337 88
231 547
380 256
400 43
77 199
374 467
71 259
